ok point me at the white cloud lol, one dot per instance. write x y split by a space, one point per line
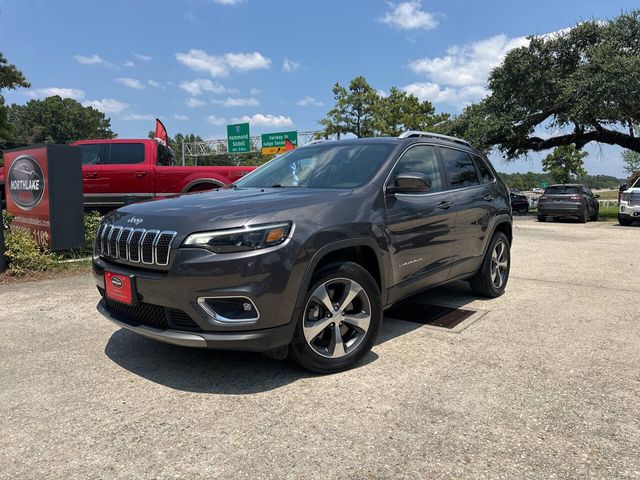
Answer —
201 61
265 120
228 2
216 120
182 118
74 93
130 82
91 60
107 105
140 56
237 102
244 62
309 101
200 85
154 84
129 63
254 91
290 65
220 65
194 102
437 94
468 64
136 117
409 16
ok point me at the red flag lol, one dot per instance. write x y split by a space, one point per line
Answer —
161 132
288 145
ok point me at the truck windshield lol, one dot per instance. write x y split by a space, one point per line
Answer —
637 184
321 166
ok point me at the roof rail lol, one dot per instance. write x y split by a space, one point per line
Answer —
416 133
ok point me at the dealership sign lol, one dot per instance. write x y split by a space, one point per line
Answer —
238 138
44 194
274 143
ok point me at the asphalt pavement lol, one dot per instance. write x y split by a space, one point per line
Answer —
545 384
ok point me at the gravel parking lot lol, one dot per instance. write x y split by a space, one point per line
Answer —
545 385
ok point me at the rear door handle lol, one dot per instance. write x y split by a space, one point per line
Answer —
140 174
91 175
487 197
445 205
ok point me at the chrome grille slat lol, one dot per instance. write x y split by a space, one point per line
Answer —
135 245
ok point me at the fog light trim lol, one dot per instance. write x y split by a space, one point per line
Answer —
216 317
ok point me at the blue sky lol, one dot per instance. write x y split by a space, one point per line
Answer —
199 64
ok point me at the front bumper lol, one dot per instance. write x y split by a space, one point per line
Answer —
255 341
270 279
629 212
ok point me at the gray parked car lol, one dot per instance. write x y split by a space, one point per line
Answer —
300 257
568 200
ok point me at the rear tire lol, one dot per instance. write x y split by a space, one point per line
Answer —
340 320
585 216
491 280
542 218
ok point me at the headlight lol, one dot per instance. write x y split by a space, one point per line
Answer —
240 239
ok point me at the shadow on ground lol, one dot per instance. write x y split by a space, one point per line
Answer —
234 373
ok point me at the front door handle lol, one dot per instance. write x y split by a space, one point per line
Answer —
140 173
445 205
91 175
487 197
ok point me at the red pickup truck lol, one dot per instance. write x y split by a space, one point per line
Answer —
115 172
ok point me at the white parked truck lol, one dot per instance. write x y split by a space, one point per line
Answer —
630 205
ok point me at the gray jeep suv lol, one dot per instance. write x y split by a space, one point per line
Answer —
301 257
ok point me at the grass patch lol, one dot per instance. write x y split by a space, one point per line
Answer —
608 195
609 214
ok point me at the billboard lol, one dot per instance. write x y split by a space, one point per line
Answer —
44 194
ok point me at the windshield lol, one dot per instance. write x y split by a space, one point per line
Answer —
637 184
561 190
321 166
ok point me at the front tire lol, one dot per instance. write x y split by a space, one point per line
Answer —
624 221
340 320
491 280
542 218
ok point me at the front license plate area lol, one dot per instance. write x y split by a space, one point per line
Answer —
120 288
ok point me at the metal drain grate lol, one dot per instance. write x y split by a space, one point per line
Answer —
434 315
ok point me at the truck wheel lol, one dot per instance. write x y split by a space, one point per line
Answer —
542 218
624 221
492 278
340 320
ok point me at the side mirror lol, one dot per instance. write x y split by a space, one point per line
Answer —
597 196
410 182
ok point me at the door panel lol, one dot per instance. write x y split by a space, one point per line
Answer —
93 156
419 227
128 172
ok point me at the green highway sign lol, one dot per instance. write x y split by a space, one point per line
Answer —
544 184
273 143
238 138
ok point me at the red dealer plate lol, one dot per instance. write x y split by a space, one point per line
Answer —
118 287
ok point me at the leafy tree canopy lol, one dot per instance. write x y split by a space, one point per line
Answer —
565 163
57 120
363 112
10 78
582 85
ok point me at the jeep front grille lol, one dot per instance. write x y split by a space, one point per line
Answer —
135 245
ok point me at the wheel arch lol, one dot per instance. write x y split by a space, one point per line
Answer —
361 250
193 184
503 223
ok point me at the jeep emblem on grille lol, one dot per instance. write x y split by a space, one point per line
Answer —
135 220
116 282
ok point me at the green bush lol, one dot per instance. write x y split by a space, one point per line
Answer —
91 224
25 255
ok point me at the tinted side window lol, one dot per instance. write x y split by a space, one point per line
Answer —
126 153
421 159
460 169
93 153
483 168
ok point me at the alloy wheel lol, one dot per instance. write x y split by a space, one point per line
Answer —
499 264
337 317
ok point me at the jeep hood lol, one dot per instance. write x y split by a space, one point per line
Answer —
226 208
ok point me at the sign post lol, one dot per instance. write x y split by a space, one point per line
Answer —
273 143
238 138
44 194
